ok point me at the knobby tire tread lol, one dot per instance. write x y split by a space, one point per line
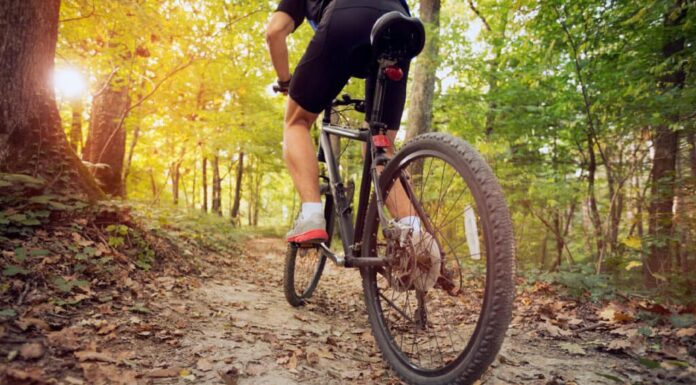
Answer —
498 313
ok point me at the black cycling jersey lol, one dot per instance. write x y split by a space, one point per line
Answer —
313 10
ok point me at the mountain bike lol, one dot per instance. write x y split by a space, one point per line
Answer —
438 297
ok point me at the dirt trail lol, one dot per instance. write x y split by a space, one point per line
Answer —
238 320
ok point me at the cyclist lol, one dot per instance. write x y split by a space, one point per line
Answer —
339 50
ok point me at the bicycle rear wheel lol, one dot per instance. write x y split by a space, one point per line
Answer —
440 309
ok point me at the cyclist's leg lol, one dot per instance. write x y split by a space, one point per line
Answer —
397 201
298 151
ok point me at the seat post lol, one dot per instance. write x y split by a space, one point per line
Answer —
376 125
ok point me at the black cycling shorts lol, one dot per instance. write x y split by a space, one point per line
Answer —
339 50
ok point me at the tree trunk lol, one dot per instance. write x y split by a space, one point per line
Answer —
217 187
175 175
691 138
76 126
592 201
204 183
129 158
106 140
32 140
665 144
153 186
238 190
420 111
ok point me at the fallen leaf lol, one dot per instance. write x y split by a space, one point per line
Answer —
619 345
687 332
31 351
73 380
27 375
95 356
553 330
27 322
106 329
204 365
106 374
164 373
65 339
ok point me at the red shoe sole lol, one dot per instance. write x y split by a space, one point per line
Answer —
311 235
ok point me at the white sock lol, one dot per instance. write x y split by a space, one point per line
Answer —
311 208
413 221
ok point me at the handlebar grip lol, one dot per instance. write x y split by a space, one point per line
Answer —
276 89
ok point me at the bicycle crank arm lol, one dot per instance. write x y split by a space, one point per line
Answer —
339 260
366 262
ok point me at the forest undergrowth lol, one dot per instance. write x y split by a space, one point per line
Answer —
68 264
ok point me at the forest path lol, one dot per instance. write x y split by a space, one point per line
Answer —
239 323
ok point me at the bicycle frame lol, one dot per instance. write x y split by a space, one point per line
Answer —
351 236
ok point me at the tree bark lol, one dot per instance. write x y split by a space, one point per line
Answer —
175 175
204 183
106 141
32 140
420 111
665 144
217 187
238 190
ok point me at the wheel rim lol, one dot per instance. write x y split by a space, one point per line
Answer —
433 340
308 262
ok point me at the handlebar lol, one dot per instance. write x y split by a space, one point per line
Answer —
346 100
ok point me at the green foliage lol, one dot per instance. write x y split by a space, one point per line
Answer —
133 243
12 270
67 286
24 205
579 282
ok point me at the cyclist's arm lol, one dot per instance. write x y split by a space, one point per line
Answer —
280 26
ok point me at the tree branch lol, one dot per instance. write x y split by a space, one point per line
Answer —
480 16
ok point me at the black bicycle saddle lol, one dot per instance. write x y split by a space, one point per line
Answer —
397 36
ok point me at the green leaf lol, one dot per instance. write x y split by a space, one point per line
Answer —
12 270
43 199
682 320
650 364
31 222
17 218
20 254
39 252
63 285
8 313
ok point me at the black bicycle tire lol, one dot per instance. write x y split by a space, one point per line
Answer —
496 313
291 294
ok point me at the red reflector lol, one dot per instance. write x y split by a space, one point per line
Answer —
381 141
394 73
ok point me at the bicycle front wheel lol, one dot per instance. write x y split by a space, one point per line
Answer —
440 308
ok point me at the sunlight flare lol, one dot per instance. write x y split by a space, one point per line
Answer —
69 82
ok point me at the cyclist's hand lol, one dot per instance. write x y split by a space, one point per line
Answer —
282 86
